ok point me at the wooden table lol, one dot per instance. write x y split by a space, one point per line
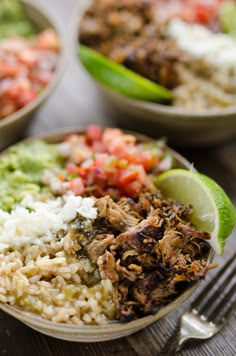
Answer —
75 103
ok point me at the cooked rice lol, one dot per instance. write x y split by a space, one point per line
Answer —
56 284
204 88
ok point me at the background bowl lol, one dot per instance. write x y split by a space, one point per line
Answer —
13 126
182 127
113 330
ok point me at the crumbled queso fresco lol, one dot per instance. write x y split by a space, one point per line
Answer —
217 49
37 222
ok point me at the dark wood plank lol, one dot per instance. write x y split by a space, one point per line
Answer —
75 103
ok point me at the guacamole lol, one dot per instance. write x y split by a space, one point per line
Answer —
21 170
13 20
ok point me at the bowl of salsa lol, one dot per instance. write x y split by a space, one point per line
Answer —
31 60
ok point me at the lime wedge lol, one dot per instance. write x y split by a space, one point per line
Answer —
213 210
227 16
121 79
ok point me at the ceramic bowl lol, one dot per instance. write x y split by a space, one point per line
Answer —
112 330
182 127
13 126
179 126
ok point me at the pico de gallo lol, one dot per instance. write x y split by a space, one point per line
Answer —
27 59
109 162
96 163
192 11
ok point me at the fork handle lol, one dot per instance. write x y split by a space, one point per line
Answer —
174 344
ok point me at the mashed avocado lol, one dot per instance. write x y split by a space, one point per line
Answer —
21 170
13 20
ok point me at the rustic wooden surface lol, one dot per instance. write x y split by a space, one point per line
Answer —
75 103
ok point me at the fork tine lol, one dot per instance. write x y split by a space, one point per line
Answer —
218 292
210 285
216 312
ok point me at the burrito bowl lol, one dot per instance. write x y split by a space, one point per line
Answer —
90 249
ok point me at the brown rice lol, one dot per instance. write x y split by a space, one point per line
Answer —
59 286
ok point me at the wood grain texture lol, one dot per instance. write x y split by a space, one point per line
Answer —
75 103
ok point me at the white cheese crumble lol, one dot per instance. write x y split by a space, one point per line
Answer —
36 222
217 49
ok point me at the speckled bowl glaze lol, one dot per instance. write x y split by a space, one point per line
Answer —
114 329
13 126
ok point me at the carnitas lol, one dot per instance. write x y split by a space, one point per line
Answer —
128 33
148 248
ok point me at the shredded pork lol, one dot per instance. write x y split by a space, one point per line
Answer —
147 247
128 33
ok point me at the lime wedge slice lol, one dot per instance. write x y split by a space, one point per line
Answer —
213 210
121 79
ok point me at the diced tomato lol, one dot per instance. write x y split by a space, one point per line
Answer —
28 57
94 133
107 173
192 11
110 136
133 188
117 147
25 69
148 159
26 97
71 168
48 39
113 179
10 70
77 186
82 172
98 176
18 87
203 13
131 157
98 147
187 14
101 159
142 176
42 78
127 176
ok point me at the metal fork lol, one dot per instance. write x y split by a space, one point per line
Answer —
209 312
